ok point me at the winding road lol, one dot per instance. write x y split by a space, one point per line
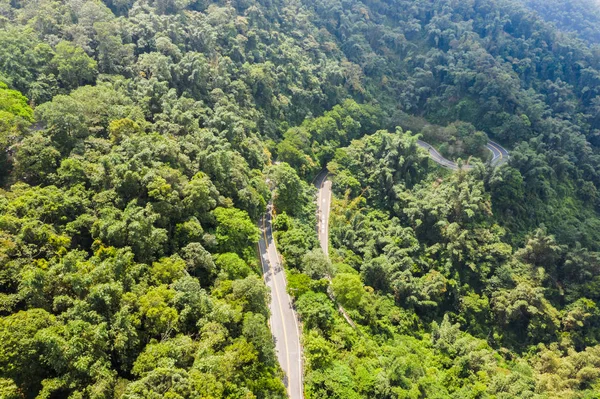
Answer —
323 185
499 155
283 321
323 211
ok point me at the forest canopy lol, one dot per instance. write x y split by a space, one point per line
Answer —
141 141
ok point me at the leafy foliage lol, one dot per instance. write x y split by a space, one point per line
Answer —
136 139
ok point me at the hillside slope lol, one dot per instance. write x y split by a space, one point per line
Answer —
140 141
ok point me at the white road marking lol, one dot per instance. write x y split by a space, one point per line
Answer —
273 262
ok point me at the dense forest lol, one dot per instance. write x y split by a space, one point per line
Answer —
582 16
141 141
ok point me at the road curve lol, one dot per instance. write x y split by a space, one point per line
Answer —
283 321
499 155
499 152
323 211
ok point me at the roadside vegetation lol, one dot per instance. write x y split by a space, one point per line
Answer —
136 139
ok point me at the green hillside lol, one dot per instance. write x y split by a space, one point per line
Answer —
136 139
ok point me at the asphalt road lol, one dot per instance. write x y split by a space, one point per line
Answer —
499 152
283 321
499 155
323 211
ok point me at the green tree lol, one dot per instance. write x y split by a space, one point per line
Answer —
232 265
252 293
15 117
199 261
36 159
72 66
256 332
235 231
289 195
160 319
20 360
316 265
316 311
174 352
9 390
348 289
